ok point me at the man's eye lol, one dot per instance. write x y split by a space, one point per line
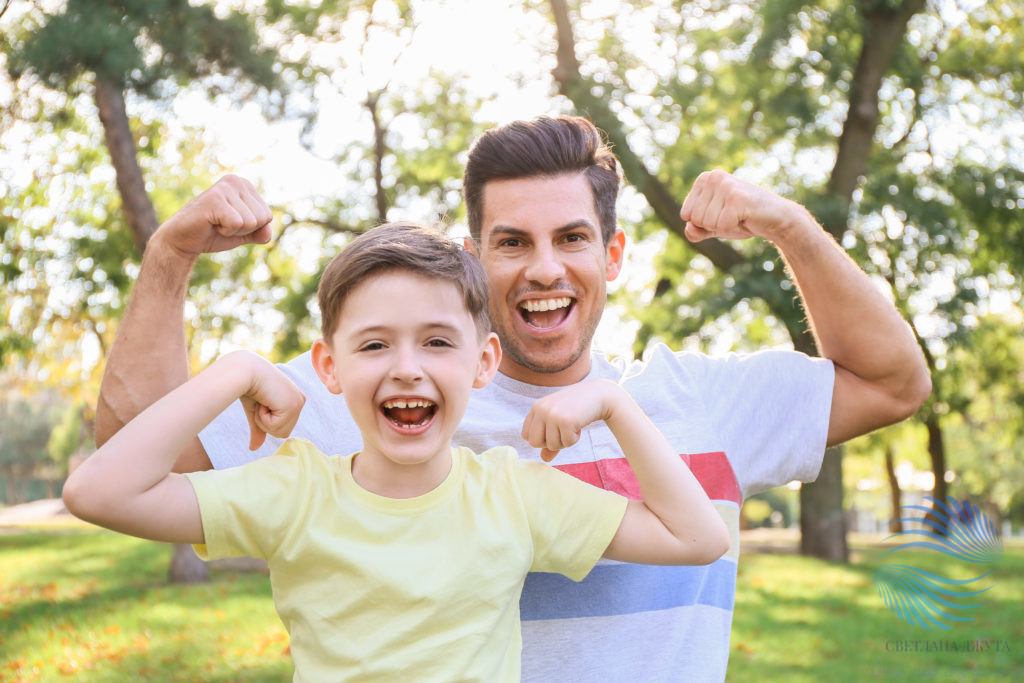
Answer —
511 243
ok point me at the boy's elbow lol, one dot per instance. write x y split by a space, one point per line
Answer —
74 496
80 497
716 545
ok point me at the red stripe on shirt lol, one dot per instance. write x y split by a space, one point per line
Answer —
712 470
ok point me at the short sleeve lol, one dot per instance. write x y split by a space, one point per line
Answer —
772 408
248 510
571 522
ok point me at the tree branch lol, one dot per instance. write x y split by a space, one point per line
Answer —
572 84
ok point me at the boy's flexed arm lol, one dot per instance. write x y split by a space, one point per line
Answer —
128 486
675 523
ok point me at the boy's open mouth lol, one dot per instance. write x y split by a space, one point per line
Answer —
544 314
409 413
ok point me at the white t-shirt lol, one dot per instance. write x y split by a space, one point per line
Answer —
744 423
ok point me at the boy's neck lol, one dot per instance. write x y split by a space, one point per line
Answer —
384 477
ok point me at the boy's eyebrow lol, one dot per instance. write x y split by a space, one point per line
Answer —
444 325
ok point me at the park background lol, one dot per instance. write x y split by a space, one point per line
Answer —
897 122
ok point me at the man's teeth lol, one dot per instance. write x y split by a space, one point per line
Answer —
538 305
407 404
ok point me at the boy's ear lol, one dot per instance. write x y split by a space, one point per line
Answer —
323 363
490 357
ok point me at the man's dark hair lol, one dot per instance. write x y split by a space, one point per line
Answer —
405 247
546 146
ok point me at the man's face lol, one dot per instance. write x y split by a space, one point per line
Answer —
540 243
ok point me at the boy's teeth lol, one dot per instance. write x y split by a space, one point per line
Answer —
407 404
537 305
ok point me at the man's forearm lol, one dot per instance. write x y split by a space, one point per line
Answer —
149 357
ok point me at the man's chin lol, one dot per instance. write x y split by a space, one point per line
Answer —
546 362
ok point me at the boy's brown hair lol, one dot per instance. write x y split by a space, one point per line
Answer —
403 247
545 146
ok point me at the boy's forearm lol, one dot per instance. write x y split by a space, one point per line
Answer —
667 485
143 452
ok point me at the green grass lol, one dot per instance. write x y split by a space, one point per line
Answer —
79 600
801 619
76 600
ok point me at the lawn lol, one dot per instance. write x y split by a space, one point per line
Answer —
76 600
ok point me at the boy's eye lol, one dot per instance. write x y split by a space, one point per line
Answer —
438 342
372 346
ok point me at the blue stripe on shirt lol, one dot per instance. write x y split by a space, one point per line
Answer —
628 589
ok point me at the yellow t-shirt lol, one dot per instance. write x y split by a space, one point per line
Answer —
425 588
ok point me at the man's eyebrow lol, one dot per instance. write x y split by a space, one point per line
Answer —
510 231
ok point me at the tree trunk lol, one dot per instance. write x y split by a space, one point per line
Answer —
937 453
895 526
822 524
379 150
135 202
186 567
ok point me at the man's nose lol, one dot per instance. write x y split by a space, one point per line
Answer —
545 266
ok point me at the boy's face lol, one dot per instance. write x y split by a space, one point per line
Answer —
405 356
547 265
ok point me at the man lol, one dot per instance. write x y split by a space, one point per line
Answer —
540 197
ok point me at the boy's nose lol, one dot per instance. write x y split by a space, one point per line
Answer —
545 267
406 367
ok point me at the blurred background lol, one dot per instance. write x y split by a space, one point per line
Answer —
897 122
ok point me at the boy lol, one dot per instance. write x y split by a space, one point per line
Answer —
406 558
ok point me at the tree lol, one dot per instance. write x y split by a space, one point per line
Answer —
823 101
143 46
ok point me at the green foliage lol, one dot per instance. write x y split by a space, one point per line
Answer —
984 380
25 425
139 43
68 436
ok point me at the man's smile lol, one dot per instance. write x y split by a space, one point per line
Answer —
545 314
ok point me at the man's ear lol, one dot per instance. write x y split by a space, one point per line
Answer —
470 245
323 363
616 254
490 358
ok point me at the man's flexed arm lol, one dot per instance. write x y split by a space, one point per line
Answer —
881 376
149 357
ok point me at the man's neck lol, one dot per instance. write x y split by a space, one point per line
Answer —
576 372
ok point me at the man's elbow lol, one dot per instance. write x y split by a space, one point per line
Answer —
915 392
